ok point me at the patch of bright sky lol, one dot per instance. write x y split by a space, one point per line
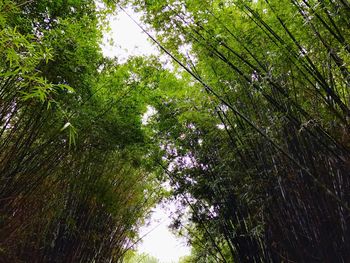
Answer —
126 39
129 40
159 241
150 112
220 126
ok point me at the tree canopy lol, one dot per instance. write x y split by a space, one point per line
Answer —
250 128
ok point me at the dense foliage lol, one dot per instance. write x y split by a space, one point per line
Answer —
258 147
75 184
251 129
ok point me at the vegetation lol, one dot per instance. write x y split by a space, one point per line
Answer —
251 129
132 257
72 185
261 154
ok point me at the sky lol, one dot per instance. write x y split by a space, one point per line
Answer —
129 40
159 241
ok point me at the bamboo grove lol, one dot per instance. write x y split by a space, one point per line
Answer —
251 129
261 156
72 187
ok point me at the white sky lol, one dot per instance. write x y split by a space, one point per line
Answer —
130 40
160 242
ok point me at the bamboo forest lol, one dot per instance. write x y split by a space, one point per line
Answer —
245 126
